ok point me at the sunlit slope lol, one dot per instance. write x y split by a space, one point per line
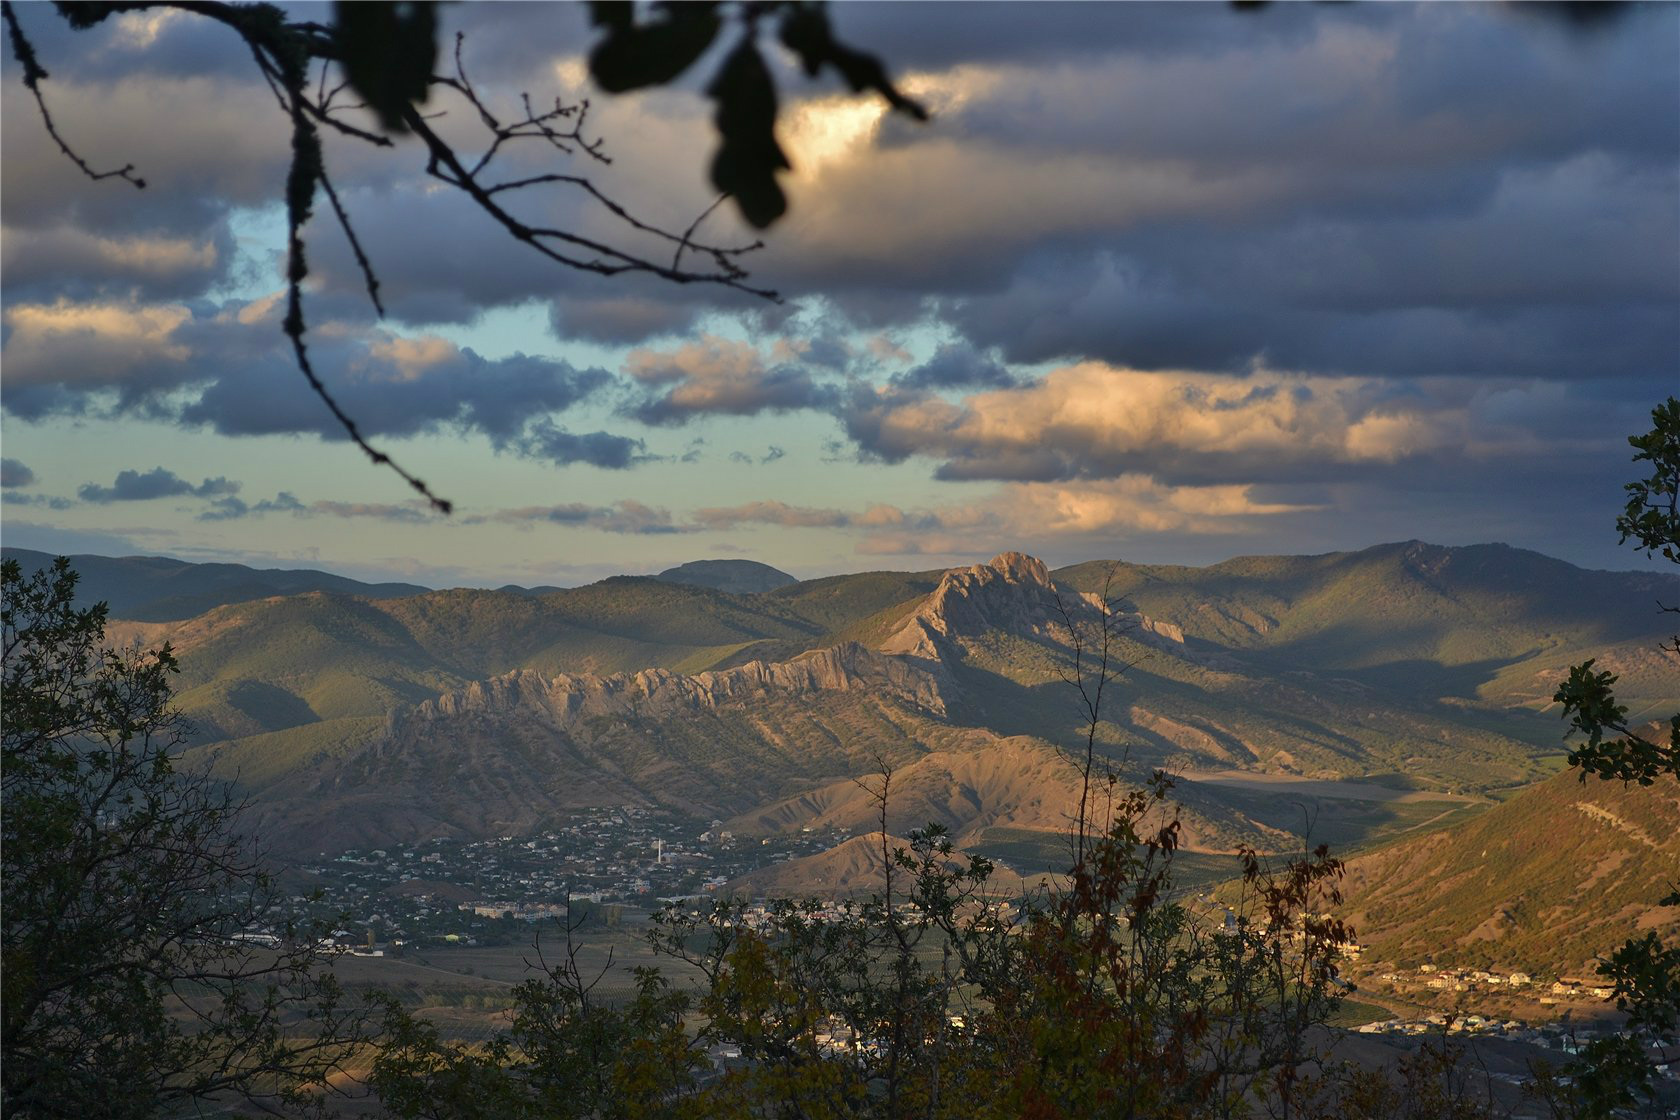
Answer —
266 666
514 752
1560 873
1486 621
1172 710
1006 633
837 603
489 712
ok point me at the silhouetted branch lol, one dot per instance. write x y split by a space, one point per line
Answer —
33 74
284 52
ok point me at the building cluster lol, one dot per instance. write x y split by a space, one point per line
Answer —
449 891
1429 978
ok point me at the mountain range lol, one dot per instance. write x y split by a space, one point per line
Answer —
1390 700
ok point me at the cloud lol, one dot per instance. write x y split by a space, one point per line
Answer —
232 509
771 513
58 261
47 501
412 513
393 386
134 486
13 473
228 368
955 365
1133 503
719 375
629 517
543 440
1092 420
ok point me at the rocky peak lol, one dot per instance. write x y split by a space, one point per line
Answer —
1018 567
1014 594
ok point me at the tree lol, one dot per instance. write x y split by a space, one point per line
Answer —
136 969
387 55
1614 1072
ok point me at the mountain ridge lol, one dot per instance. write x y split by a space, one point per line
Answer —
470 711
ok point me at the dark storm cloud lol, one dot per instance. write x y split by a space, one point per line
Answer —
65 262
1120 318
159 482
1294 143
956 365
937 35
1472 195
15 473
227 369
389 396
620 318
543 440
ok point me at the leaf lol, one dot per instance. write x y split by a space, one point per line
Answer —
614 14
652 54
388 52
749 157
805 31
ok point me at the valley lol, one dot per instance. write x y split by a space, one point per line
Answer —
1391 703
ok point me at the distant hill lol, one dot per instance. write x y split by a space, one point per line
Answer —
1545 881
158 589
1487 622
738 577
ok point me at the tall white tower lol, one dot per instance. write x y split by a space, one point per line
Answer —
658 850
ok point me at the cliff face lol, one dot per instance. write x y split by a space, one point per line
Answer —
659 693
503 754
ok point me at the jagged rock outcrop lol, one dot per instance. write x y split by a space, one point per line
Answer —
1013 594
660 693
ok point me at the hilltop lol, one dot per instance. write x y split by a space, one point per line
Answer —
738 577
160 589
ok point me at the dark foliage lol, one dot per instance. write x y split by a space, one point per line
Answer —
126 987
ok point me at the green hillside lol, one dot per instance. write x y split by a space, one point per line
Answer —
278 663
1544 882
839 602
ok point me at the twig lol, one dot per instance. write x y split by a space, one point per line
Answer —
33 74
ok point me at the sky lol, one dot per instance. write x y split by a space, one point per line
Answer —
1165 283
